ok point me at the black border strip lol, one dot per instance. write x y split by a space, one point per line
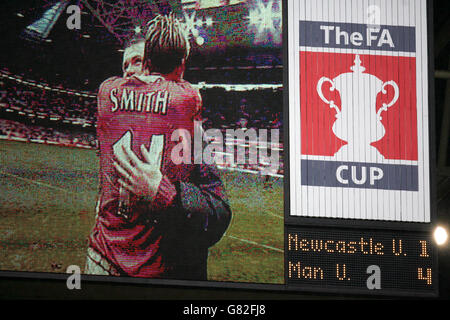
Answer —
431 132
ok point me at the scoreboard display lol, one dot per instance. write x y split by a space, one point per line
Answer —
369 260
359 211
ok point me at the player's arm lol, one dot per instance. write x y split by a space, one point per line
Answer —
205 205
203 199
200 206
143 178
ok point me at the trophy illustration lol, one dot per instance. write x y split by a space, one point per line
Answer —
357 122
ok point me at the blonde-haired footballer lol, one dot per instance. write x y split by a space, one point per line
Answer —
155 218
133 57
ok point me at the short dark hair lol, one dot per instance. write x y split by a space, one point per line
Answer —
166 44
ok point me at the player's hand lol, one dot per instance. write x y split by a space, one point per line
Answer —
141 178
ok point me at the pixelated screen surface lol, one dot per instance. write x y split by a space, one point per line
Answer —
104 166
224 224
361 259
360 149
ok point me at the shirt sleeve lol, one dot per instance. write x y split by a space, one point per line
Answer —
102 93
199 208
205 205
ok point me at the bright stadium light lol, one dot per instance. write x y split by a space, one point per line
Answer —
200 41
189 21
264 17
137 29
440 235
192 24
41 28
209 22
198 23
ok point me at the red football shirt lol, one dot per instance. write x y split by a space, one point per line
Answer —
139 108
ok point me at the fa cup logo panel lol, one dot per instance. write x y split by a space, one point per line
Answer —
359 116
358 108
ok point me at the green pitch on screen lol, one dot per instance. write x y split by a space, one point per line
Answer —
47 202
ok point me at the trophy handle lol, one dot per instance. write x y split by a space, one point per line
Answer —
319 91
385 106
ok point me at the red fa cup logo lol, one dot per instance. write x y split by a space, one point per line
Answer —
357 121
